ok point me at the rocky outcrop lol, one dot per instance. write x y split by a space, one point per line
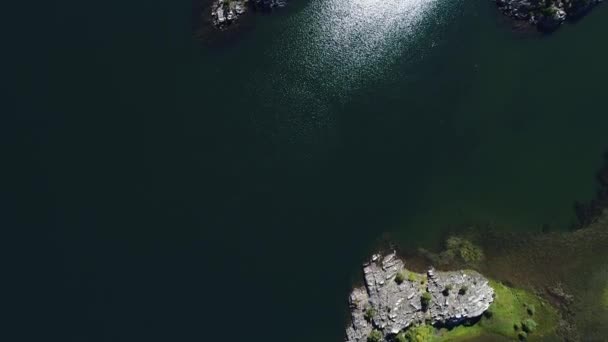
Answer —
547 15
394 298
457 296
225 12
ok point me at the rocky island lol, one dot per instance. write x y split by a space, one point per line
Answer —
547 15
395 299
225 12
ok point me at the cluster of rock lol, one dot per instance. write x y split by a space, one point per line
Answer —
458 296
390 306
547 15
224 12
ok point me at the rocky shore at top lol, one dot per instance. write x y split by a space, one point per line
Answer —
225 12
395 299
547 15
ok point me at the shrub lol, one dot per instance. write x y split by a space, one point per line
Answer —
411 277
425 300
528 325
400 277
369 314
446 290
401 338
374 336
421 333
516 326
522 336
488 313
463 290
549 11
531 310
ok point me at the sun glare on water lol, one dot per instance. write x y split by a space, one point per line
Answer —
356 40
331 48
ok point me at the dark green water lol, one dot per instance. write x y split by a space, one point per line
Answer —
175 190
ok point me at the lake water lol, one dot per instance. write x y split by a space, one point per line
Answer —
196 191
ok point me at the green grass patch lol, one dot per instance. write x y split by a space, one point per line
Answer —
511 312
510 318
421 333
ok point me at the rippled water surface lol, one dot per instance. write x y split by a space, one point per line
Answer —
194 192
408 118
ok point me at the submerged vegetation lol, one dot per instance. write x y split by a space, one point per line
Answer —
605 297
458 251
465 250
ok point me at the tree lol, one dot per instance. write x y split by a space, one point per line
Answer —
528 325
531 310
374 336
463 290
369 314
425 300
522 336
447 289
400 277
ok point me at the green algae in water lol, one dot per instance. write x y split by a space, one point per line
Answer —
605 297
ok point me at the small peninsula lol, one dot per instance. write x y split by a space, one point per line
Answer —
399 305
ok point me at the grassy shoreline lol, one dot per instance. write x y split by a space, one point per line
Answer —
502 322
564 270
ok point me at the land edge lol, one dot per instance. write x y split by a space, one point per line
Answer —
481 324
546 15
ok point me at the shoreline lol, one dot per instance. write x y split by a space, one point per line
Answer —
543 15
566 269
396 304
